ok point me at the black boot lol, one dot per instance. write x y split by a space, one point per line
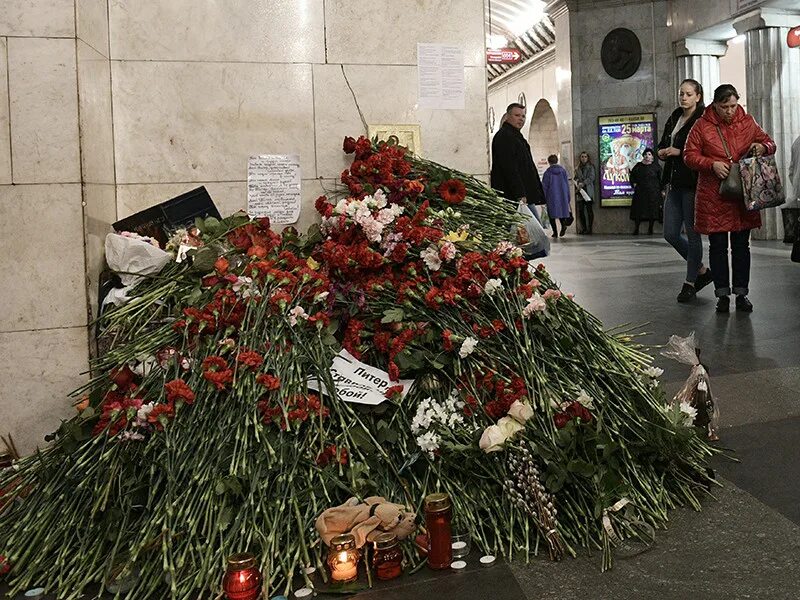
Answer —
636 228
687 293
703 279
723 304
743 304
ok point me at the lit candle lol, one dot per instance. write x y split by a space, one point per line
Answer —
343 558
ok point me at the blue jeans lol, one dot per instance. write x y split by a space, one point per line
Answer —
679 212
740 262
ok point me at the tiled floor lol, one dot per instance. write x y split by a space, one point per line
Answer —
746 544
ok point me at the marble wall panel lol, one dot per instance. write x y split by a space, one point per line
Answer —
5 132
290 31
92 24
99 212
40 18
454 137
229 197
42 271
199 121
387 31
97 138
44 110
38 370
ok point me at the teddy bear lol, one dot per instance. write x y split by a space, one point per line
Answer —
366 520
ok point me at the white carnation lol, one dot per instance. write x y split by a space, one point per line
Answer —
492 286
428 442
467 347
431 257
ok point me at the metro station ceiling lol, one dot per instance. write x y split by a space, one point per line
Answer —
523 24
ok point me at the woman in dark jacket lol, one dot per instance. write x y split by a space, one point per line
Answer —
646 181
724 131
682 182
585 178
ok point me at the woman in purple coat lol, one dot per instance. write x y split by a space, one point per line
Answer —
556 192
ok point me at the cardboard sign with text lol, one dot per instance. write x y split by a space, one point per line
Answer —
358 382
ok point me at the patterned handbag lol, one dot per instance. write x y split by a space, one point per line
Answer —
761 183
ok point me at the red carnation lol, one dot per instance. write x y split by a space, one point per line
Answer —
394 392
178 390
216 371
269 381
221 265
160 414
123 377
250 358
5 566
349 145
452 191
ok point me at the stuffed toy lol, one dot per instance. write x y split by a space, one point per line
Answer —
366 520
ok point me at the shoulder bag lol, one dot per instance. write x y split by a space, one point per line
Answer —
730 187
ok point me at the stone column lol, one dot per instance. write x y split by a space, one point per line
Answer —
773 90
699 59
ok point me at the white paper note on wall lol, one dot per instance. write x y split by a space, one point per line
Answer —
440 69
273 187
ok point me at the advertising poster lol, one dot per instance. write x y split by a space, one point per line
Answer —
622 141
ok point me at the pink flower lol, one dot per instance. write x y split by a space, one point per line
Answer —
552 293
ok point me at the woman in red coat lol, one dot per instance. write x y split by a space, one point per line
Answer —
719 218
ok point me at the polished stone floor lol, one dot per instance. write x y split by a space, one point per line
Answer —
744 544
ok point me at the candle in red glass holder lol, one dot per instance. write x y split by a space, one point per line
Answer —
242 579
438 515
387 558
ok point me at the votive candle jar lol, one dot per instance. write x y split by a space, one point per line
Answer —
387 557
242 579
343 557
438 517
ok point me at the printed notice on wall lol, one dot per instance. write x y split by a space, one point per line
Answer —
358 382
273 187
440 70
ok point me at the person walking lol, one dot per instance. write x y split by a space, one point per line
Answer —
724 134
585 177
794 169
646 181
681 184
556 193
513 173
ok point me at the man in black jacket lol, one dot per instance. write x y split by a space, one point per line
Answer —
513 173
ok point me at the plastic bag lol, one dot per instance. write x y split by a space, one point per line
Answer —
529 235
131 258
696 392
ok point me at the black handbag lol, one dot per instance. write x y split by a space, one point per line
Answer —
730 187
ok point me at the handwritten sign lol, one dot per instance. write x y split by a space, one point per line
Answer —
273 187
440 69
358 382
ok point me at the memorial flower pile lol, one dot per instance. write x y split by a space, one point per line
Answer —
214 424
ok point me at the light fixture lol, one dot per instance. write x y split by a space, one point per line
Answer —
528 17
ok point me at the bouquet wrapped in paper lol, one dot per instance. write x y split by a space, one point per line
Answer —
696 392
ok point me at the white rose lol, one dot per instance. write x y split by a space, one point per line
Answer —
509 427
492 439
521 411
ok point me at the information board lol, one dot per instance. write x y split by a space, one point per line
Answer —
622 141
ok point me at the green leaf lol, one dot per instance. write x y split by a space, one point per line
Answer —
393 315
581 468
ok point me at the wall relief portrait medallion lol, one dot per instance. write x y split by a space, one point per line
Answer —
621 53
